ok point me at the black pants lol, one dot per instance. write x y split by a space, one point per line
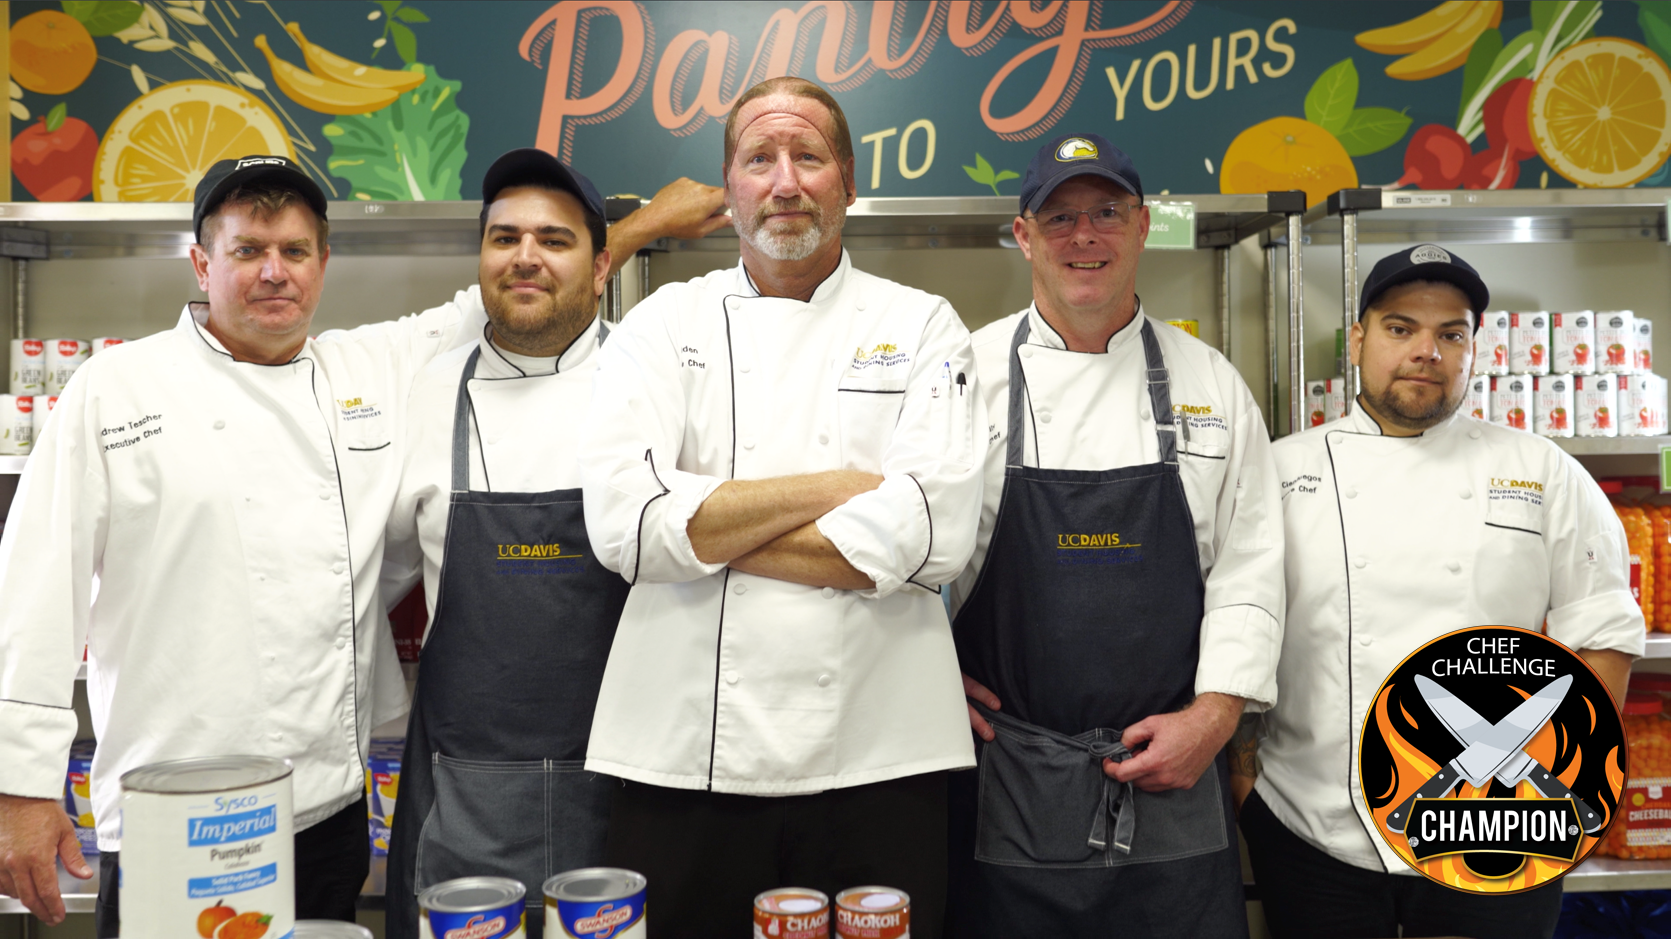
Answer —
333 858
1308 894
707 855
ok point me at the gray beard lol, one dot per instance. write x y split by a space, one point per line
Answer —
786 247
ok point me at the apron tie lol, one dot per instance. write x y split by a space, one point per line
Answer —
1117 801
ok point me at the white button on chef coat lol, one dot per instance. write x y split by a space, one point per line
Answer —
1101 406
230 559
665 428
527 410
1540 542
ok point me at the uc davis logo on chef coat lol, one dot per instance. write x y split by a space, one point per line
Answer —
1492 760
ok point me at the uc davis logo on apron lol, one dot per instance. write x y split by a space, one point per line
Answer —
1492 760
536 559
1076 549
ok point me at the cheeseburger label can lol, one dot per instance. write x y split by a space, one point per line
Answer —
792 913
63 357
473 908
28 366
207 848
109 342
17 424
1528 343
1573 338
1511 401
1552 404
1642 348
1476 401
596 903
1596 405
873 913
1615 341
1491 345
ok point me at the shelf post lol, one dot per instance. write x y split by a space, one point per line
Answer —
1347 203
20 298
1272 366
1221 267
1291 204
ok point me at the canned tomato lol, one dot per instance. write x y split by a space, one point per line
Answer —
28 366
329 929
1616 341
63 357
791 913
1552 405
1529 343
1596 405
473 908
1511 401
1642 347
1573 339
873 913
1491 345
1476 401
597 903
207 848
1325 401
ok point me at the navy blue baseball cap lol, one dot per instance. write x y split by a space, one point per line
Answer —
1076 155
226 175
1425 262
532 166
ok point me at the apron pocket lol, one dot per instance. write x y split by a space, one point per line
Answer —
487 819
1040 799
577 805
1037 803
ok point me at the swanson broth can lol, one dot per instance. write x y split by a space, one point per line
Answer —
207 848
473 908
596 903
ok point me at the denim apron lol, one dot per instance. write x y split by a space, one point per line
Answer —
492 779
1085 619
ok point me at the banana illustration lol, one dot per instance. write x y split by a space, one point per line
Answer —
1450 50
323 94
327 64
1418 33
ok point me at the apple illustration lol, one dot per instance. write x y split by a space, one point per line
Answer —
1537 354
1517 418
53 158
1581 353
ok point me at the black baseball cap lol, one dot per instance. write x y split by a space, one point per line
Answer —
1425 262
228 175
527 165
1076 155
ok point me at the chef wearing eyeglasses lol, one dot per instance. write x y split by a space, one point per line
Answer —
1124 603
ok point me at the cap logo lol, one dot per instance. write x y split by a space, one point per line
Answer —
1428 254
1076 148
260 161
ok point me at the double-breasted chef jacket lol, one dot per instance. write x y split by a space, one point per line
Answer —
234 516
739 683
1395 541
1092 412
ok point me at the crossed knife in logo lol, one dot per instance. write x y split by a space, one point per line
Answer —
1494 804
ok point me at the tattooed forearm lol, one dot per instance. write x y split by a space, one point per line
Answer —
1243 748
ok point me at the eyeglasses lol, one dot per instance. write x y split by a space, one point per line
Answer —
1107 218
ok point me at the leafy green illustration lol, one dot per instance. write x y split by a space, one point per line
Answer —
1515 60
1480 57
411 150
55 117
1332 97
1574 17
1654 16
983 173
396 16
104 17
1371 130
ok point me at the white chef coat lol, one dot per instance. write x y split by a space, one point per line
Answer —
234 515
1395 541
754 685
1092 412
526 413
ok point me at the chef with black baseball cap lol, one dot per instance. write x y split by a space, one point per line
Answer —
1406 520
1123 606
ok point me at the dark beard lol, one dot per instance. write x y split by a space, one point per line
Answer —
554 323
1394 410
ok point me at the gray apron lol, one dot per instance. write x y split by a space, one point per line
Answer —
1085 619
492 779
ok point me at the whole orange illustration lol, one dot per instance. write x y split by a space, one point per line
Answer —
52 53
1287 153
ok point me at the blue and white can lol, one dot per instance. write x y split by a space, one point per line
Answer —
473 908
596 903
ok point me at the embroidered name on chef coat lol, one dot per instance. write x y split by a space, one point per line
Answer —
122 436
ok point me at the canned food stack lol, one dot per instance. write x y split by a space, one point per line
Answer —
1552 404
44 366
1491 345
1476 402
1325 400
1582 373
1511 401
1643 828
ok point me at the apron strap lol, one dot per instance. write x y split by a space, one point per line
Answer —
461 425
1160 396
1116 802
461 417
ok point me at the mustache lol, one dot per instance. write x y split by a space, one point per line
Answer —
1422 373
797 204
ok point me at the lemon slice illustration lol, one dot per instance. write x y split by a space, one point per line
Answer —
159 147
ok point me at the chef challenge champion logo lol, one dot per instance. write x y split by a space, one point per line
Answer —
1492 760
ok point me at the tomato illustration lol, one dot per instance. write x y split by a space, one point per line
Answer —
1500 355
1581 353
1616 354
1558 419
1316 418
53 157
1603 419
1517 418
1479 413
1537 354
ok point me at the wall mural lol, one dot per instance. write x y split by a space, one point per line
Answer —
130 100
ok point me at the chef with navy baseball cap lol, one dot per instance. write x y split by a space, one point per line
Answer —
1406 520
1123 606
